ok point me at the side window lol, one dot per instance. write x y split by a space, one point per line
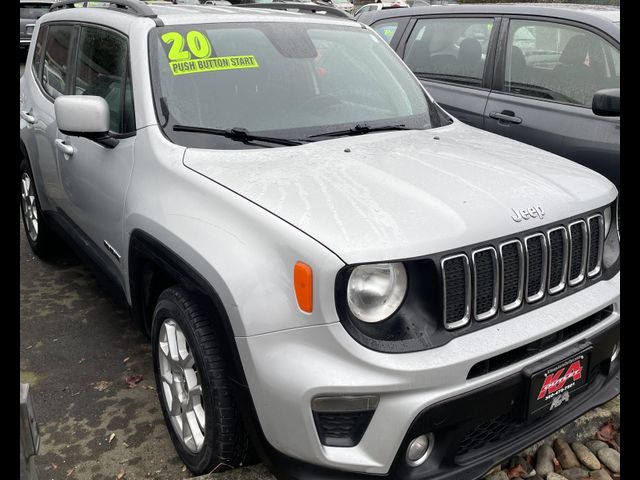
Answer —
386 30
101 70
451 50
559 62
37 54
56 59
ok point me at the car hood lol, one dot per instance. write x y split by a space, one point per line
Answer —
403 194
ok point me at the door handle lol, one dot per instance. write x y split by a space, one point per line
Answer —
68 150
506 116
27 117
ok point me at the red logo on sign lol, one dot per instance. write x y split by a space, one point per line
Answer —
554 382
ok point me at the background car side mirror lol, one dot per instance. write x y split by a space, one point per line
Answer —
606 103
84 116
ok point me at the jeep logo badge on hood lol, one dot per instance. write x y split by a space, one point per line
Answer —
527 213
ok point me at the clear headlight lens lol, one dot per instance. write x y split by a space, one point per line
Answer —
375 292
607 221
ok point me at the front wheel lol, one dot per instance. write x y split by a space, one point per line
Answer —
192 384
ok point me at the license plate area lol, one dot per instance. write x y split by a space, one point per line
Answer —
554 385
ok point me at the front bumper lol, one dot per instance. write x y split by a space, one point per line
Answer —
421 392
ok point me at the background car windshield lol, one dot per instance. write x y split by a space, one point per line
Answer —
287 79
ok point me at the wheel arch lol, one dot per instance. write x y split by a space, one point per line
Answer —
153 267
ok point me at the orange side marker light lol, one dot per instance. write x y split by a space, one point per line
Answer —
303 284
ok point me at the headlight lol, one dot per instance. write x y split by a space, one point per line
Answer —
375 292
607 221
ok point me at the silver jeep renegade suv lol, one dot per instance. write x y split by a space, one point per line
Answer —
334 272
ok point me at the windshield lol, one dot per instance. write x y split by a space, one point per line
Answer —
286 80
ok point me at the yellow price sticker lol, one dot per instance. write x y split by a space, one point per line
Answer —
182 61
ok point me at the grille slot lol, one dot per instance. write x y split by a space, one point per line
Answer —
456 278
578 252
558 259
596 240
536 260
512 268
485 275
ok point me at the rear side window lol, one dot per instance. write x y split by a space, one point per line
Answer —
559 62
452 50
56 59
386 30
101 70
37 53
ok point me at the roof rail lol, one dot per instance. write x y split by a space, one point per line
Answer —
134 6
298 6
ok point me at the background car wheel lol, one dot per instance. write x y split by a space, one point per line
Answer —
192 385
43 241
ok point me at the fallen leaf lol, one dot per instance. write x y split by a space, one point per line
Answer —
80 361
101 386
125 360
55 467
184 468
120 475
126 445
29 347
55 339
133 380
70 472
111 437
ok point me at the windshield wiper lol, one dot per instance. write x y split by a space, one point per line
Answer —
236 133
359 129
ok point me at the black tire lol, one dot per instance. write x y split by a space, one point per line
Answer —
226 443
45 243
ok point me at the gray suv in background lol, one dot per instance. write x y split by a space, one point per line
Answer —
545 75
30 12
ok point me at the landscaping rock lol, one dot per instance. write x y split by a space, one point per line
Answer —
564 454
600 475
610 458
575 473
585 456
556 476
501 475
544 460
595 445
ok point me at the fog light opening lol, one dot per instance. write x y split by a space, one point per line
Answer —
419 450
616 352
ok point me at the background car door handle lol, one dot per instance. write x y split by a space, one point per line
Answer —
506 116
64 148
27 117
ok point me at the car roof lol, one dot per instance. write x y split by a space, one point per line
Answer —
604 17
187 14
50 2
182 14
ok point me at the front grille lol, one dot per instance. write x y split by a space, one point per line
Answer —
491 431
520 270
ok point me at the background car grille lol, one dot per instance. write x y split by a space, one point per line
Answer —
520 270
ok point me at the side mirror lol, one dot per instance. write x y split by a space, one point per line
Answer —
606 103
84 116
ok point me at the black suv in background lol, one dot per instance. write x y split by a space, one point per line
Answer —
544 75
